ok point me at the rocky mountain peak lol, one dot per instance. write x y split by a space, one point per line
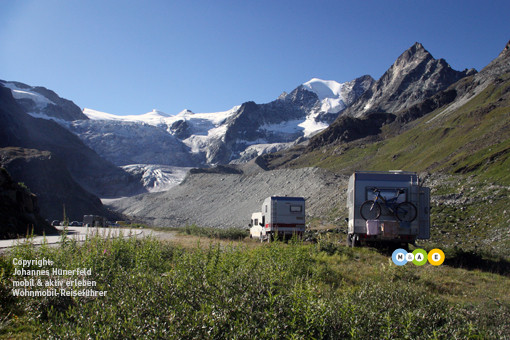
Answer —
41 102
302 97
415 52
506 51
282 96
414 76
497 67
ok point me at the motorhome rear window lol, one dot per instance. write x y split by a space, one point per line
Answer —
387 193
296 208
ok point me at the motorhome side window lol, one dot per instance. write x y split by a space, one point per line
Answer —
266 208
387 193
296 208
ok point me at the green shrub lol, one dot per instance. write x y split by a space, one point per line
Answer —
220 233
275 290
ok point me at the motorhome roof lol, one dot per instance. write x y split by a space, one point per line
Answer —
403 176
286 198
399 172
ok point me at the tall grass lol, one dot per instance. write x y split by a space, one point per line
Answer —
276 290
220 233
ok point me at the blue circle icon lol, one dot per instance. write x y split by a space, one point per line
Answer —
399 257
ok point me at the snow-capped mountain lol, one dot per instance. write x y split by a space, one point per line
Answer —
348 110
40 102
142 143
235 135
336 96
132 142
153 138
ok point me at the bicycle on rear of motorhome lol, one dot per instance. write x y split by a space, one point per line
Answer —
373 209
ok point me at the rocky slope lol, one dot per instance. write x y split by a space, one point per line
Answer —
19 211
414 76
227 199
47 176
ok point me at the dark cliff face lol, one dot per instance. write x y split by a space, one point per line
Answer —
19 211
47 176
347 128
294 105
54 163
414 76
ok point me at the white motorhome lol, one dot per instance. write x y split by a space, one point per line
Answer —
387 208
256 225
281 216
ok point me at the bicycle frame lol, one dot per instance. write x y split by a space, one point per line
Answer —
390 203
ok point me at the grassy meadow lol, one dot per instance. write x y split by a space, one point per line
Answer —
197 287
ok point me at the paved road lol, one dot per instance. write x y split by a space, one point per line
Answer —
78 233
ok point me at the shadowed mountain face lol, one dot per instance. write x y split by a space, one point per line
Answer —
92 172
46 175
19 211
56 165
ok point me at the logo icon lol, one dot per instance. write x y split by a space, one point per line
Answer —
419 257
399 257
436 257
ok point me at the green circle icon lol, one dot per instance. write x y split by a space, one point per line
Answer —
420 257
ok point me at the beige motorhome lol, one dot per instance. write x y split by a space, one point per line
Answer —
387 208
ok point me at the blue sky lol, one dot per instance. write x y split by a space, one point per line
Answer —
129 57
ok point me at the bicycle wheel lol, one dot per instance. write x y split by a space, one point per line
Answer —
406 211
370 210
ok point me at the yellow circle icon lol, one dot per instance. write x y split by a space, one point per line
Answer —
436 257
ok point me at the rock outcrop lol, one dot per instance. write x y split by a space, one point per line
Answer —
19 211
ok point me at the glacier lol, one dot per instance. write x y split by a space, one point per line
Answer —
155 145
